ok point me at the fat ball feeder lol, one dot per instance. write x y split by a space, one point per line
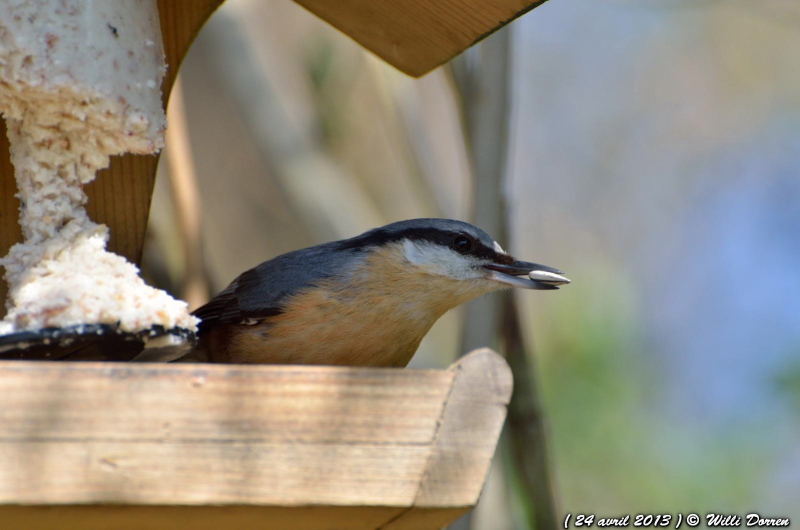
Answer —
98 445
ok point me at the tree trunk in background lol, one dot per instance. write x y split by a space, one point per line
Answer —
526 430
483 78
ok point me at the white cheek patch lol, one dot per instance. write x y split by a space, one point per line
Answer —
498 248
414 252
436 259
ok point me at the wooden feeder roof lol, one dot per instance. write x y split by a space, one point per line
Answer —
416 36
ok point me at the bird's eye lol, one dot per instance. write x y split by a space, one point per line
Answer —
462 244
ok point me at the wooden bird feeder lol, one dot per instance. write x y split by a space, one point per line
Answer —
103 445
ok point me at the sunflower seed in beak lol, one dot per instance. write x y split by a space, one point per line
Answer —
547 277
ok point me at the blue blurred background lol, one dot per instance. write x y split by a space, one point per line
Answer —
654 156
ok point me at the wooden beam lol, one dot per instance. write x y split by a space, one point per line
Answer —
416 36
93 445
120 196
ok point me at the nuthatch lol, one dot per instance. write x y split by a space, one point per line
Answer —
365 301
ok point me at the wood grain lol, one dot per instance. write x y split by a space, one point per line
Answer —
243 517
10 230
132 446
416 36
120 196
477 402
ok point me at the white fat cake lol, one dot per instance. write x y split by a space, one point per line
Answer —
79 81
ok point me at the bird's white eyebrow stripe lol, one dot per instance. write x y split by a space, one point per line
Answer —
498 248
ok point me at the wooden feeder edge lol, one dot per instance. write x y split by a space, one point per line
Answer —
99 445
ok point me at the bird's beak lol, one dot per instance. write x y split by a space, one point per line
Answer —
538 276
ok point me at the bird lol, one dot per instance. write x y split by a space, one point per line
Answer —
364 301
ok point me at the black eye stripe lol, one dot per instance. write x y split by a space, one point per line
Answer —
482 251
477 248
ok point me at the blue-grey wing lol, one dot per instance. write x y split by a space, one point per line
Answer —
262 291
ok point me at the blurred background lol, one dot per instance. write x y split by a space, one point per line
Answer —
650 149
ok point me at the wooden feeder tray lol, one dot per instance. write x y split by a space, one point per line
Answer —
162 446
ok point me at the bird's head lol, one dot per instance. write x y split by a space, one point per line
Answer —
453 257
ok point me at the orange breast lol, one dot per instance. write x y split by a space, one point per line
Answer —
319 329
